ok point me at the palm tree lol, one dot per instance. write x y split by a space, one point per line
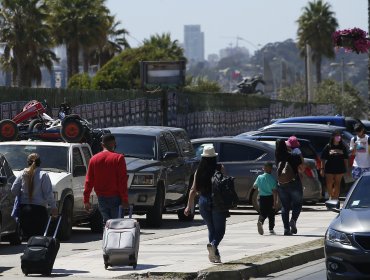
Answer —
164 42
316 25
79 25
26 39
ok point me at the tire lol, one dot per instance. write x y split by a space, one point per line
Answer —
35 125
96 222
65 229
154 215
15 238
8 130
72 131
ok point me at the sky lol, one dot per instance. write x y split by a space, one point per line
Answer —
258 22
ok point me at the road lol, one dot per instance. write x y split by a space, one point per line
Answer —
309 271
241 225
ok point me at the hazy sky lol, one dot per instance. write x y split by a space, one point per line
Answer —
258 21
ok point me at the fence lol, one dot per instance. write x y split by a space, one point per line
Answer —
201 115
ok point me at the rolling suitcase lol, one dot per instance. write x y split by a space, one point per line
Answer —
40 253
121 240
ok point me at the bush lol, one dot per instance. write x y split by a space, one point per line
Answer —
79 81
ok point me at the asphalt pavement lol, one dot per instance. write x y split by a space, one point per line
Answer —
178 250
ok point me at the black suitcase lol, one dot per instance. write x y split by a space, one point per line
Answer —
40 253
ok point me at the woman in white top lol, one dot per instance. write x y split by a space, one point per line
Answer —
34 189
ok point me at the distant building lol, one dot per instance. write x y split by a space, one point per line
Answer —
193 43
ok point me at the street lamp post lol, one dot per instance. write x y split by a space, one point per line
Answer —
342 65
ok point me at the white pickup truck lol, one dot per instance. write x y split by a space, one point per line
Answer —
67 164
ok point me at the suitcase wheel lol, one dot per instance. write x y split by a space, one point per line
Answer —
134 265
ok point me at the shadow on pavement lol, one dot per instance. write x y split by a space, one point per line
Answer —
129 268
6 249
65 272
4 268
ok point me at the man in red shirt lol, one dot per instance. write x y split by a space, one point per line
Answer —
107 175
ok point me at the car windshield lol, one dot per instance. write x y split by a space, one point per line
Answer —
53 158
139 146
360 197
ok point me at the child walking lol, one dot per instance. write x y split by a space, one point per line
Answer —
266 185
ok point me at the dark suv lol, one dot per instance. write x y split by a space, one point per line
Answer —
9 228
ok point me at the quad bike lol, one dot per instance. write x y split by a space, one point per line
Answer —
34 123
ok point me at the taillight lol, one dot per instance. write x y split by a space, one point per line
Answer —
308 171
318 163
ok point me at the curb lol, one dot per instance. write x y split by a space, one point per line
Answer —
249 267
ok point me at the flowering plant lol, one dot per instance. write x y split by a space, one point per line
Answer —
354 40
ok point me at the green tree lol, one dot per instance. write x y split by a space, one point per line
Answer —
349 103
123 71
80 25
27 40
80 81
295 92
315 28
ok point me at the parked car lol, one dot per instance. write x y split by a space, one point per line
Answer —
160 164
317 134
244 159
66 164
9 228
347 239
346 122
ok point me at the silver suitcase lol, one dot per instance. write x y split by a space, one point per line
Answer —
121 241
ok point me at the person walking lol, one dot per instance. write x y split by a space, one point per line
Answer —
359 147
107 175
34 191
334 163
266 185
291 192
215 219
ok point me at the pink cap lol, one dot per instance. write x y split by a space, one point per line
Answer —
292 142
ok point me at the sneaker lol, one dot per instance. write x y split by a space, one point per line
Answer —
260 228
293 227
272 232
211 252
217 259
287 232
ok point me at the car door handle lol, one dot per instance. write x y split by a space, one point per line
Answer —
255 171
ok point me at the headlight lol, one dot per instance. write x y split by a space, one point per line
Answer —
143 180
337 236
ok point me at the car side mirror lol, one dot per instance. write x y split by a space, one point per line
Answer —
333 205
170 155
3 181
79 170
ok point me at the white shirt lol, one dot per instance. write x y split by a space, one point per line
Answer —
362 156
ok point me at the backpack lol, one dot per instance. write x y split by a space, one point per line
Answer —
285 172
224 196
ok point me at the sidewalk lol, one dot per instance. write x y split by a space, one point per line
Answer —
184 256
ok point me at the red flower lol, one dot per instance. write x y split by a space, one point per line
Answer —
352 40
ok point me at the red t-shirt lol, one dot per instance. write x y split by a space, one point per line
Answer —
107 174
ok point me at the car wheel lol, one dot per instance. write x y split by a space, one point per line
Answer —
15 238
8 130
72 131
96 222
65 230
154 215
35 125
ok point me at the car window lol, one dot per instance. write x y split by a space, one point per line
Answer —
307 150
184 143
171 143
87 154
77 158
238 152
198 148
360 197
136 145
17 156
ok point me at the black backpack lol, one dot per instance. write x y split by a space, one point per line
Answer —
224 196
285 172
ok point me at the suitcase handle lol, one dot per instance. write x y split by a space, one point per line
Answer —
121 211
57 227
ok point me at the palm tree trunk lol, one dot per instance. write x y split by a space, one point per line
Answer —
69 61
318 69
85 57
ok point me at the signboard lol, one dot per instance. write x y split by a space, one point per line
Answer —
162 73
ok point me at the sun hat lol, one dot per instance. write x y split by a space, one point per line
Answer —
292 142
209 151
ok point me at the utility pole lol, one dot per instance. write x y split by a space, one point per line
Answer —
309 80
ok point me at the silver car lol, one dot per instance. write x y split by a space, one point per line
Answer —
347 240
244 159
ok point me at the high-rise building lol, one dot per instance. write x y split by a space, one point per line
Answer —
193 43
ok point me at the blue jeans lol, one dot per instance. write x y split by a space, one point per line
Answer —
291 197
215 220
109 207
